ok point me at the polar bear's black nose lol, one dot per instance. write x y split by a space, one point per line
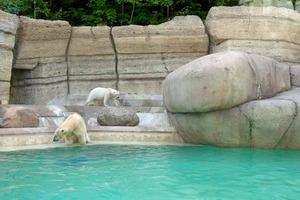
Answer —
55 139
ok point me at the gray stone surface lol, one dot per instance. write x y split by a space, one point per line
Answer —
40 69
129 100
8 28
226 128
295 75
146 54
265 3
54 59
291 137
297 5
267 31
222 81
39 40
91 56
269 120
202 102
117 116
270 123
153 119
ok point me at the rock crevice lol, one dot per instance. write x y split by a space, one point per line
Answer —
111 37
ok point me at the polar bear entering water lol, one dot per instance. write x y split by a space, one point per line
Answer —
104 94
73 130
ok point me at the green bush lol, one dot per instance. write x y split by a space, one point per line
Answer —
111 12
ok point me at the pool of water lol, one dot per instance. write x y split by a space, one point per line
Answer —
149 172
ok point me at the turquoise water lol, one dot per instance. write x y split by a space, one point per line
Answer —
149 172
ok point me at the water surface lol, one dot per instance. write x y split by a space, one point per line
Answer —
149 172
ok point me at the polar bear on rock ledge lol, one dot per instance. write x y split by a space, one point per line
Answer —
73 130
104 94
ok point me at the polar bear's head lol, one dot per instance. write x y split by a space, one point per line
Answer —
114 94
60 133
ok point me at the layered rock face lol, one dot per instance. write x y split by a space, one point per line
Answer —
230 99
276 3
133 59
8 29
268 31
54 59
147 54
40 68
91 59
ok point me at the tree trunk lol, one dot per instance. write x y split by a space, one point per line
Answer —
168 12
133 5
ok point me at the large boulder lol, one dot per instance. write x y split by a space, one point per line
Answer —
268 31
269 123
19 117
269 120
117 116
226 128
234 99
291 137
222 81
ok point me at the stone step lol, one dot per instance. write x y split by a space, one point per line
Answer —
12 139
85 111
132 100
154 126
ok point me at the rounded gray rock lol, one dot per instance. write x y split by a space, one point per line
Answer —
117 116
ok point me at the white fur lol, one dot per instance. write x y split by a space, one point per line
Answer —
72 129
104 94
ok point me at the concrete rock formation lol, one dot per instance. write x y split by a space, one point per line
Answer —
295 75
8 29
233 114
54 59
222 81
265 3
146 54
297 5
268 31
117 116
91 59
40 68
19 117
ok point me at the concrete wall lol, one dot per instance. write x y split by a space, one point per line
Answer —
53 59
268 31
297 5
265 3
40 68
8 30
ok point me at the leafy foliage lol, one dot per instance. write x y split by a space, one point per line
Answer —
111 12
